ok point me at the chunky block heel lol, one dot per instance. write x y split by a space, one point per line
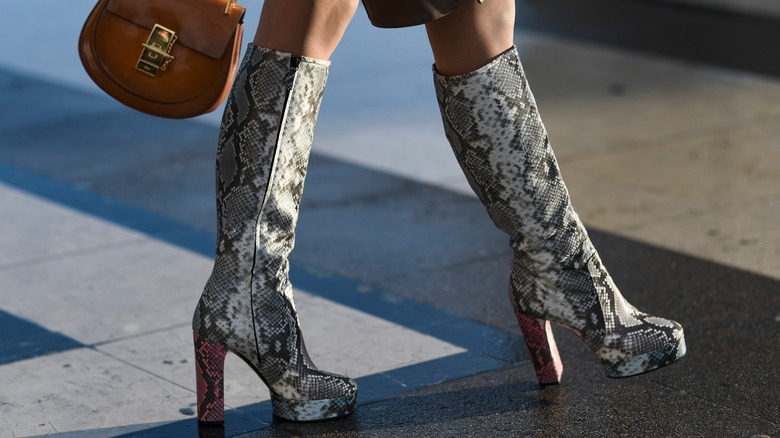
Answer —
210 377
544 352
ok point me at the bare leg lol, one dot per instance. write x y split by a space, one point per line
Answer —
311 28
471 36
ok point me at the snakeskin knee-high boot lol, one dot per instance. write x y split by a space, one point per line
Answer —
491 120
247 306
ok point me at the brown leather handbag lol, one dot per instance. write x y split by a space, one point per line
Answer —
167 58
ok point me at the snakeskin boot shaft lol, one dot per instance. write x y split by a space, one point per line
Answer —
493 125
262 159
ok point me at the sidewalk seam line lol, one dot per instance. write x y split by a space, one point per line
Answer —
51 258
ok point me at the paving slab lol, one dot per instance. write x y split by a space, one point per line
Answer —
68 232
713 194
714 169
132 303
86 392
347 342
110 294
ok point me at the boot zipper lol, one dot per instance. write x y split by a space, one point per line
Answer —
289 78
289 83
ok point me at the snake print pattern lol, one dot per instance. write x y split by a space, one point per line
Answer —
262 158
210 379
493 125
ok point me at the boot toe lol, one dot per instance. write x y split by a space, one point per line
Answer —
336 396
667 346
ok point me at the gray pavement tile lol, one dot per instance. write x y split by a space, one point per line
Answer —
178 186
744 235
594 98
21 339
709 171
100 296
92 286
483 340
339 339
58 232
373 387
83 391
357 344
107 209
168 168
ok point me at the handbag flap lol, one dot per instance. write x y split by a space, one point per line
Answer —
201 25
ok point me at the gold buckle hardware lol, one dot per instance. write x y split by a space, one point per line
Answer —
156 54
230 4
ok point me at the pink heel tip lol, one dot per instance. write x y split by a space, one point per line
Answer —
544 352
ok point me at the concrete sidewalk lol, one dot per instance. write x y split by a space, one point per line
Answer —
106 242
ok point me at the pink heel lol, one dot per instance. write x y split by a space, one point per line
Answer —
544 353
210 374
